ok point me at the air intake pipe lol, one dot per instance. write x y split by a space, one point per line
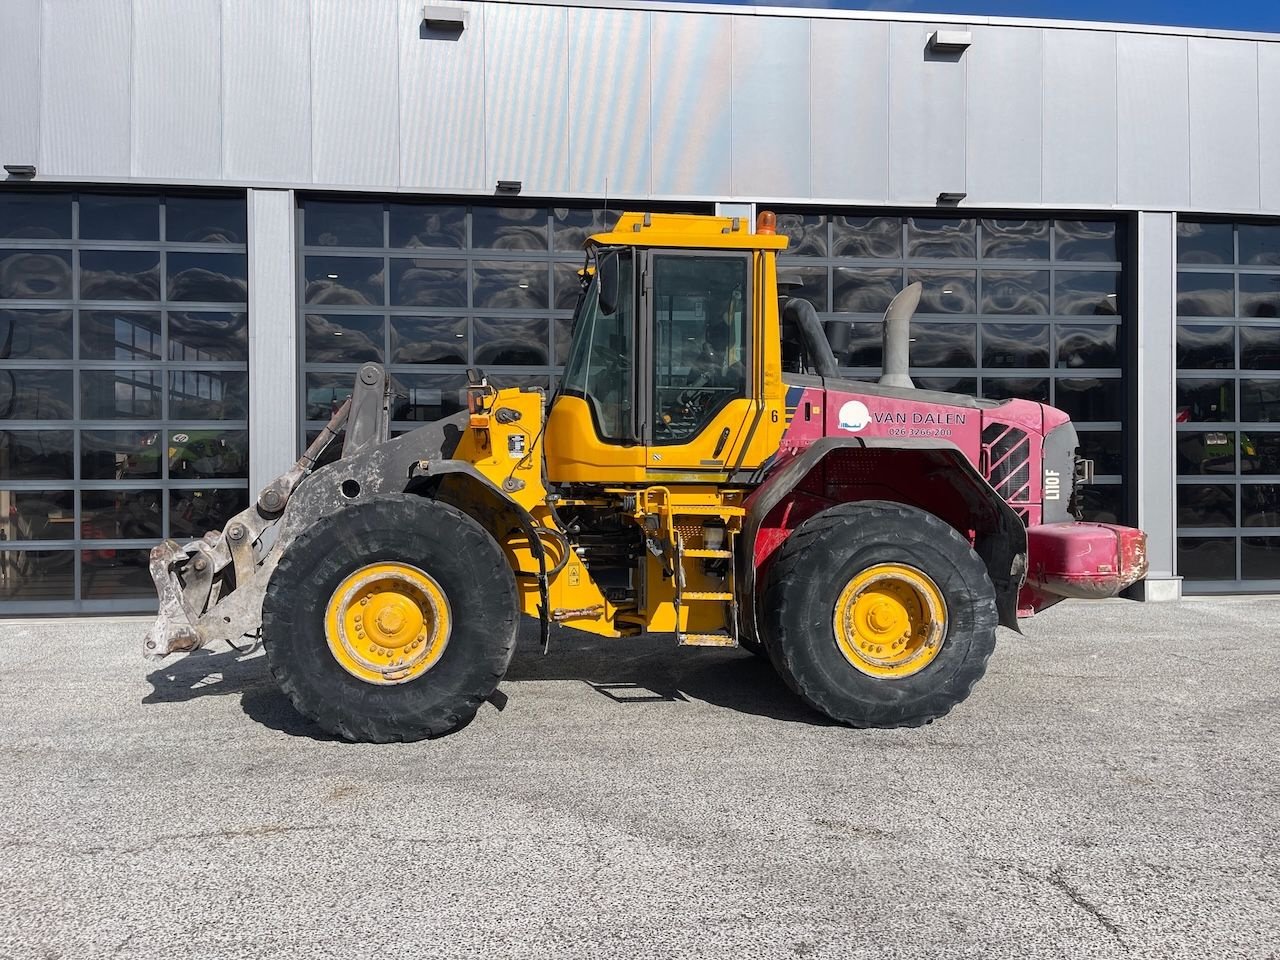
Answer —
805 318
897 336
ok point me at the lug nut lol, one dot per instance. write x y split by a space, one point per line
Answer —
200 564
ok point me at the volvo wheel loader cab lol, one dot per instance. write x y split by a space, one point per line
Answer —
701 471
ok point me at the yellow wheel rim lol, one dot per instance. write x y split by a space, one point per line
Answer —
890 621
387 623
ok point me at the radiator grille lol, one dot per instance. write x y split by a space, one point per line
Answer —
1008 456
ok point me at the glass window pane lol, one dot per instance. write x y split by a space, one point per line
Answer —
1086 293
428 283
966 385
343 338
35 334
1088 345
1205 451
1090 399
501 285
1086 240
946 291
1260 401
1105 449
120 274
563 330
116 574
1015 344
209 337
944 344
807 234
35 216
573 225
1103 503
342 223
35 454
208 395
1206 294
344 281
864 289
37 515
1205 401
510 342
119 335
1260 558
1202 347
121 394
1015 240
105 217
938 237
209 277
509 228
806 283
1015 292
1259 244
428 225
866 346
38 575
427 397
1025 388
1207 558
878 238
326 393
568 285
1260 452
120 454
208 454
1259 295
35 274
429 340
121 514
1206 506
192 512
33 394
205 219
1206 242
1260 505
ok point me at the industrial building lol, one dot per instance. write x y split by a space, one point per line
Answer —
214 210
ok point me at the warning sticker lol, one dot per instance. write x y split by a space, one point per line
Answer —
515 446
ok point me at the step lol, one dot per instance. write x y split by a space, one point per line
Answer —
699 552
696 595
707 640
689 510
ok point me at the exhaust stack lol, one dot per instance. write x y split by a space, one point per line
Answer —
897 336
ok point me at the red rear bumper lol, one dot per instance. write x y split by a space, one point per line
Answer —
1085 560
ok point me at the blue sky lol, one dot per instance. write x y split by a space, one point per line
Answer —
1222 14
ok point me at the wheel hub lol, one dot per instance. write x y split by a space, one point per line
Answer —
890 621
388 623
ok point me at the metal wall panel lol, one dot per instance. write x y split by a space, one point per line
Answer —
1224 123
84 77
1079 126
442 102
849 90
771 125
926 117
609 135
1004 129
20 81
1269 122
266 81
526 97
692 104
355 107
177 89
1153 155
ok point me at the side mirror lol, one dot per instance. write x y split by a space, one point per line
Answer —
607 274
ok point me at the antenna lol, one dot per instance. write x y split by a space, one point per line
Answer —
605 213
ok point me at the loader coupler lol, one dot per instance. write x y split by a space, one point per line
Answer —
173 631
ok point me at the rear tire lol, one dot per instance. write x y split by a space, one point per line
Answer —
822 564
457 556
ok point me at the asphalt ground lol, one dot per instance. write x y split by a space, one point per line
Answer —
1111 789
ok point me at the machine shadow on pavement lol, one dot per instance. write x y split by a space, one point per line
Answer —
631 673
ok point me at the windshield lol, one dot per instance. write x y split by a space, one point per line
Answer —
599 368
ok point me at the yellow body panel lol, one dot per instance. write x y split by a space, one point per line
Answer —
686 230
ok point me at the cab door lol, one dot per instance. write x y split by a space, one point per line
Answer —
699 404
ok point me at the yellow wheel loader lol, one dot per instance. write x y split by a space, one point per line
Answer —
701 470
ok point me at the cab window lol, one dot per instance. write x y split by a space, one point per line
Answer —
599 368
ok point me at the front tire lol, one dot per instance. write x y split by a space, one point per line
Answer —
392 619
878 614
